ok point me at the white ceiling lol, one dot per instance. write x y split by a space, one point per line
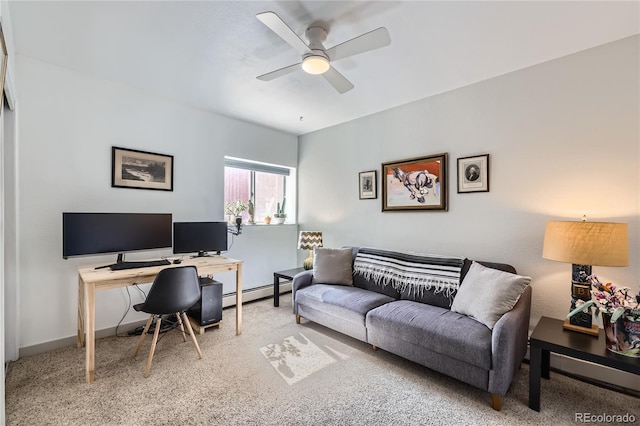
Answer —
208 54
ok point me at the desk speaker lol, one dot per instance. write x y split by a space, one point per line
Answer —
209 309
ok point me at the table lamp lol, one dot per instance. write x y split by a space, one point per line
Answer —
585 244
308 240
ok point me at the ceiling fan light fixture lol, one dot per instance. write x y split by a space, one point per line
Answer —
315 64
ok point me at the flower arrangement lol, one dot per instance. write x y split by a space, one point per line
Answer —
609 299
620 310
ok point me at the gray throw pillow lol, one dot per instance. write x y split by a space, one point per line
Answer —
486 294
332 266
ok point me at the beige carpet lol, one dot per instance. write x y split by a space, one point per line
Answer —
276 373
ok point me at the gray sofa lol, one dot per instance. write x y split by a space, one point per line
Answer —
421 326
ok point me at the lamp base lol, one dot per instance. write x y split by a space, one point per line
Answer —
593 331
308 262
582 322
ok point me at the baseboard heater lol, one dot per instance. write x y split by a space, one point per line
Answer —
253 294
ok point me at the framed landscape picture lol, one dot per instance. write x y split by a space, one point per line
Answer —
473 174
415 184
141 170
367 182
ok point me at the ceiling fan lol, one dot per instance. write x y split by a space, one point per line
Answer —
315 58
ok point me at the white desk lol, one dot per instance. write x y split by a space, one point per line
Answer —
90 280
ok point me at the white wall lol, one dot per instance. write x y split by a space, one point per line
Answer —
68 124
8 242
563 139
11 278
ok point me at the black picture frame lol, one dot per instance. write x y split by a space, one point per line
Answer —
419 183
131 168
368 185
473 174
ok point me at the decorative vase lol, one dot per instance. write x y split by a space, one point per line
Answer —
623 335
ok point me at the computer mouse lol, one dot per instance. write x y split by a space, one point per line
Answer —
177 261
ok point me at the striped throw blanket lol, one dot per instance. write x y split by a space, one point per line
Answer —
410 271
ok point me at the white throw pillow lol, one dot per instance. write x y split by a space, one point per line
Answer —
486 293
332 266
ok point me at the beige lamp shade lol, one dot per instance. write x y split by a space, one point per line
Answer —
308 240
587 243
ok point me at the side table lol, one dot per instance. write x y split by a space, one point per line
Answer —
287 275
549 336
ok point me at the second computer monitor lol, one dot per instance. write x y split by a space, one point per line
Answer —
199 237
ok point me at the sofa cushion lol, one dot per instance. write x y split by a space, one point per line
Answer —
332 266
434 328
349 303
486 294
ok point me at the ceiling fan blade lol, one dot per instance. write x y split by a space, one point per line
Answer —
278 26
369 41
337 80
279 73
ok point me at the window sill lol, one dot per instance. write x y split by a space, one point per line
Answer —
268 224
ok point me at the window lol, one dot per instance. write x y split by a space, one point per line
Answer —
265 185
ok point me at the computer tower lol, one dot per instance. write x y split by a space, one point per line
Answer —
209 309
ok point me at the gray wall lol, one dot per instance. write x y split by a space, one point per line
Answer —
563 139
68 124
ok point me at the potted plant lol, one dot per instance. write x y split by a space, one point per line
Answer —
235 209
280 216
267 219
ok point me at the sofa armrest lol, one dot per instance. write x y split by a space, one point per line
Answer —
300 281
509 344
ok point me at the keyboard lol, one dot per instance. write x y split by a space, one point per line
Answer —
144 264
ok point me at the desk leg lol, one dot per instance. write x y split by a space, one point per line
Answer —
276 290
239 300
535 367
91 337
81 311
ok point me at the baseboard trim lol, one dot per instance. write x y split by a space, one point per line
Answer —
228 300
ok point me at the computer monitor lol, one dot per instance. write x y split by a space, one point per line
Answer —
199 237
100 233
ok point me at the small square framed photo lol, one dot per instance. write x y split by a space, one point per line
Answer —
473 174
367 184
